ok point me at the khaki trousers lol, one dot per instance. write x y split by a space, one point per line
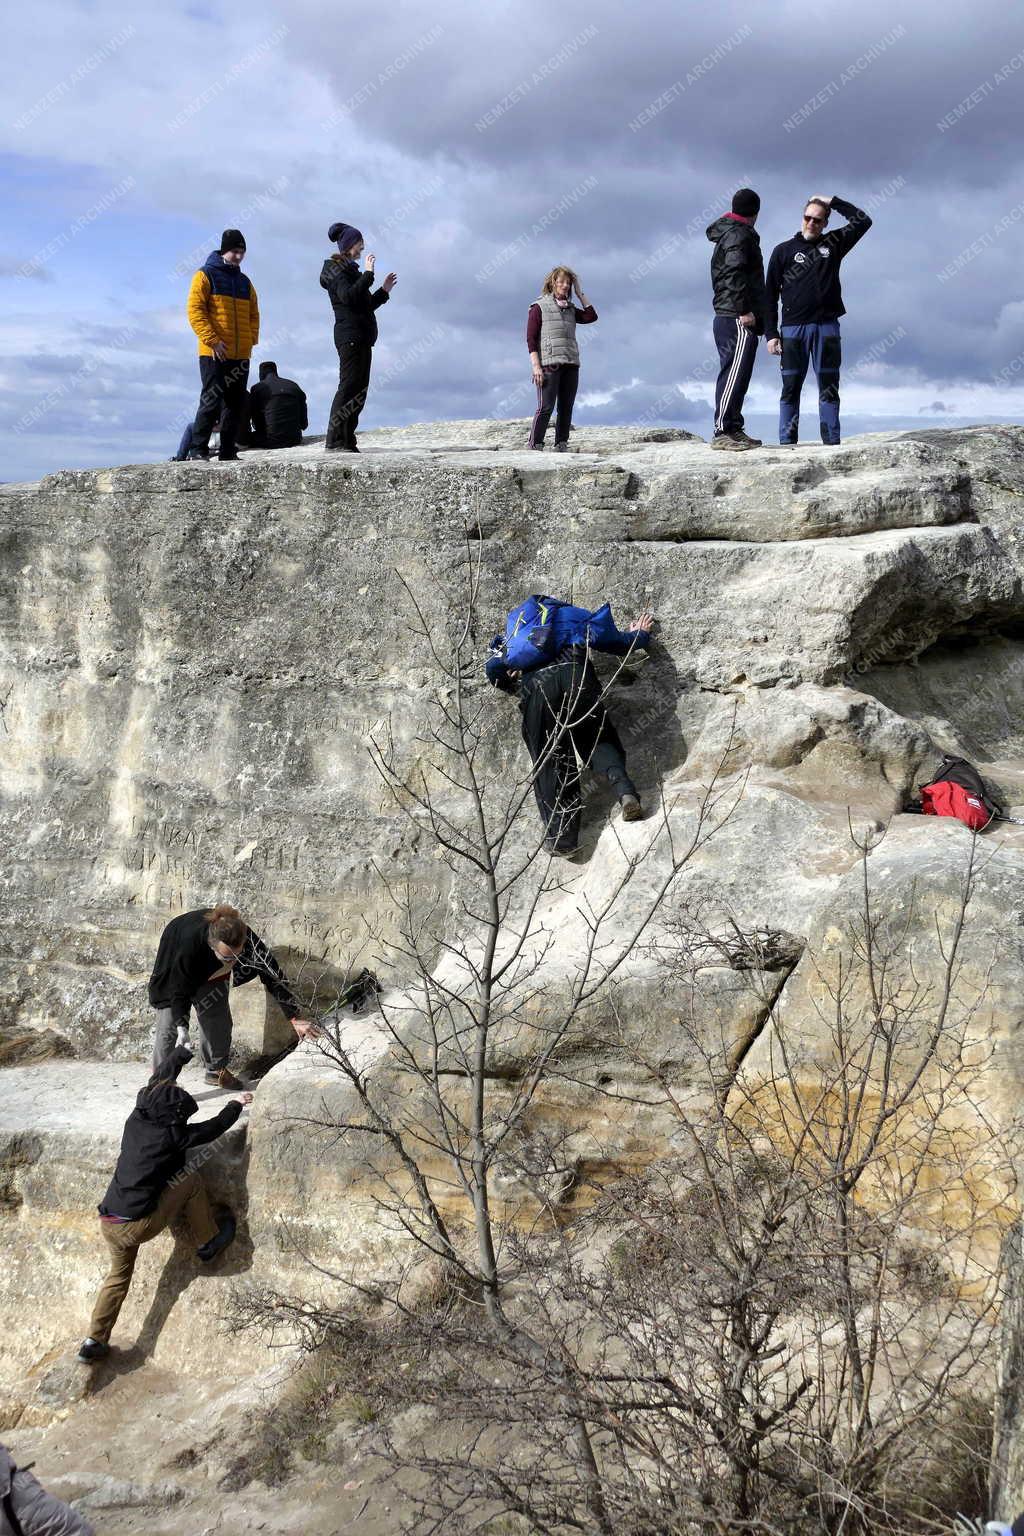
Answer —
185 1196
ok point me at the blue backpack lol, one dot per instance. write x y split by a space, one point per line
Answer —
530 633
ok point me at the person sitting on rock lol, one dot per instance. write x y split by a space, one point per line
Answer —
199 955
278 410
551 323
152 1186
355 330
564 719
804 273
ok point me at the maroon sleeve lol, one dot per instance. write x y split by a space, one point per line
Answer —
533 329
585 316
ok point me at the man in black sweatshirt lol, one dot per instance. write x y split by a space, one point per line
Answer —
804 271
201 955
737 281
152 1186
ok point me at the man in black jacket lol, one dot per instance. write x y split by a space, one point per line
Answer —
355 331
199 956
737 280
278 410
804 271
152 1186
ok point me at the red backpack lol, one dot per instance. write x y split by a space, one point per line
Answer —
959 790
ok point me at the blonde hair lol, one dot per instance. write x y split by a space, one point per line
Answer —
554 275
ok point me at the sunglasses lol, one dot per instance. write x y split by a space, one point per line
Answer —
811 218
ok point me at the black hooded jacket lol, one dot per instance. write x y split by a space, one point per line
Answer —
157 1140
737 270
353 304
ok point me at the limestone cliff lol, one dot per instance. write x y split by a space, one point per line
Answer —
193 659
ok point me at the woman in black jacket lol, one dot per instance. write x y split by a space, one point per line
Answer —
355 331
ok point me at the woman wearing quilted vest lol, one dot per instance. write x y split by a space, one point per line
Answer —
554 352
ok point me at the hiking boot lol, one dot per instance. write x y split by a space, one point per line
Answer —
561 447
224 1237
226 1080
632 810
195 454
537 447
730 442
92 1350
561 853
751 442
226 458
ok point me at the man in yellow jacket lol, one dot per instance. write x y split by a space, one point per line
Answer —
223 312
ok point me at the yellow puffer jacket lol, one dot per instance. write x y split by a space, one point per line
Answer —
222 307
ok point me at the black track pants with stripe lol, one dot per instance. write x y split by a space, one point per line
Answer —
737 348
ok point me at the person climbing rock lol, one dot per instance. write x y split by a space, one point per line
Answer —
737 282
278 410
223 312
26 1509
804 273
545 657
199 956
551 323
152 1186
355 330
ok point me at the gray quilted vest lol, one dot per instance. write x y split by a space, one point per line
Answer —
557 332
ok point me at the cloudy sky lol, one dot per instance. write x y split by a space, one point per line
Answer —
476 145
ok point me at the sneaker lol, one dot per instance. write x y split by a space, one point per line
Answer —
198 453
632 810
751 442
730 442
537 447
225 1079
91 1350
224 1237
561 447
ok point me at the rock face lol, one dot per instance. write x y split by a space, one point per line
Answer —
195 658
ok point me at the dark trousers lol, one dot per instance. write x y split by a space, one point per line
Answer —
222 399
354 358
820 346
565 725
213 1010
737 349
561 381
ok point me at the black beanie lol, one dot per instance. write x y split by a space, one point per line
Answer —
745 202
336 229
232 240
345 236
266 368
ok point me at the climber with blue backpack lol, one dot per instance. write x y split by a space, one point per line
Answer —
544 656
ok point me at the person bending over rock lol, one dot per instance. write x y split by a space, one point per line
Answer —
199 956
152 1185
564 719
27 1508
551 323
355 330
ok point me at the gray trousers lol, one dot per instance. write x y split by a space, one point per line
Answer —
213 1012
